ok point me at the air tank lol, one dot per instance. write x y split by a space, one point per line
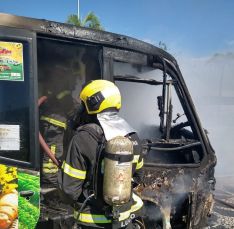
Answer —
117 171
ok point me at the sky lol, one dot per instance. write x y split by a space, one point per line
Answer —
194 28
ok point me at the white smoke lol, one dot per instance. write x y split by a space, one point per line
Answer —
211 84
139 101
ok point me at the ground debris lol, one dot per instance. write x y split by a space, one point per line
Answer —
222 216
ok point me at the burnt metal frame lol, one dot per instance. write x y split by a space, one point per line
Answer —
110 55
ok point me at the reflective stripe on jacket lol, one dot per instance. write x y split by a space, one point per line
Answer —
63 93
55 122
91 218
72 172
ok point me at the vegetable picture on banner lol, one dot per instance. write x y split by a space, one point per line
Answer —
17 211
11 61
8 197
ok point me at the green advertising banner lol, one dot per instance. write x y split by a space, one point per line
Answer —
11 61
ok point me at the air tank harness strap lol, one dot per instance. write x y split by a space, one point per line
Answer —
90 184
93 133
117 157
101 140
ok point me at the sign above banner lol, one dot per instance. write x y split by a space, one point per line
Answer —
11 61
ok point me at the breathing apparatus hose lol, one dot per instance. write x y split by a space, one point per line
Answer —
42 142
81 209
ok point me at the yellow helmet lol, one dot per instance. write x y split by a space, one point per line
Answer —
99 95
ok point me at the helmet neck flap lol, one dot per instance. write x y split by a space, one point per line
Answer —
113 125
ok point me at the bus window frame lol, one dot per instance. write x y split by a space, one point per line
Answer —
30 68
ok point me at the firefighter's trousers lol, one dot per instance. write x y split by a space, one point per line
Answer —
54 126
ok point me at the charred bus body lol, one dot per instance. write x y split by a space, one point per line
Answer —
179 160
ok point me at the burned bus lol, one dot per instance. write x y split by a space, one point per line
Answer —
179 160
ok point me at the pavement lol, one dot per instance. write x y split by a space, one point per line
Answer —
222 216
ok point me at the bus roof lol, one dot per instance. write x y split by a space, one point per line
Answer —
42 26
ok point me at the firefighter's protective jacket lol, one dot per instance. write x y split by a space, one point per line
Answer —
74 178
53 123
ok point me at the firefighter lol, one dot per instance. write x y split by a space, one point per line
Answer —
98 122
54 114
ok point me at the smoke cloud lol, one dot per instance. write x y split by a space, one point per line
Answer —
210 82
